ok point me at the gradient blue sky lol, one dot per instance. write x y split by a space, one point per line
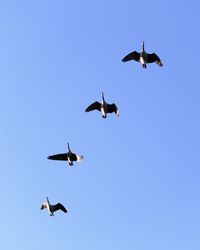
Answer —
138 187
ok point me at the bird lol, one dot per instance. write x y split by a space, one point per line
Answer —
53 208
103 107
69 156
143 57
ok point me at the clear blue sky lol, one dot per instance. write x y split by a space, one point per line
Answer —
138 186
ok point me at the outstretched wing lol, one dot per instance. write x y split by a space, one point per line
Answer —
58 157
132 56
112 108
93 106
151 58
59 206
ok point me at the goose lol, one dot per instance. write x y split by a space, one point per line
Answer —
143 57
53 208
103 107
69 156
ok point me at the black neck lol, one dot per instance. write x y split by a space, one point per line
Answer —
48 201
103 97
68 147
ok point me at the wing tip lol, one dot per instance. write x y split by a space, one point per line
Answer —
160 63
124 59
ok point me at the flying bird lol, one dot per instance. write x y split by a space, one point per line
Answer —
143 57
53 208
103 107
69 156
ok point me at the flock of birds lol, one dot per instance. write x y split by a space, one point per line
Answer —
142 57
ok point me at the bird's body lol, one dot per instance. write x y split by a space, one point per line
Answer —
143 57
53 208
69 157
103 107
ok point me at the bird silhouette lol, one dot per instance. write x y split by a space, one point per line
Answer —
143 57
69 156
103 107
53 208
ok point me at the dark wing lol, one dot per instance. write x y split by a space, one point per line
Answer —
93 106
58 157
112 108
59 206
151 58
132 56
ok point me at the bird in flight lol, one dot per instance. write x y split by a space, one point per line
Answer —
53 208
103 107
69 156
143 57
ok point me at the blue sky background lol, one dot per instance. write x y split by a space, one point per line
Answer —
138 186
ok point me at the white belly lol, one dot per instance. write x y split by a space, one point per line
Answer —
103 112
142 60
